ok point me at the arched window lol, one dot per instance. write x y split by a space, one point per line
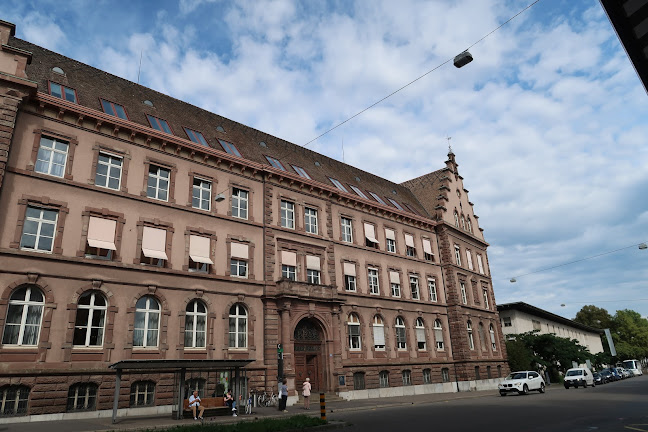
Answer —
463 222
471 341
147 322
427 376
82 397
469 224
407 377
420 334
383 378
354 332
401 341
90 320
24 316
438 335
142 393
238 326
456 218
13 400
379 333
491 330
195 325
482 336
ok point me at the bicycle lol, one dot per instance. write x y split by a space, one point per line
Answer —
248 405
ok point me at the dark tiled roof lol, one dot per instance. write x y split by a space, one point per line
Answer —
93 84
536 311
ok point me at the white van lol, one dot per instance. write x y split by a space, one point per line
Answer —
579 377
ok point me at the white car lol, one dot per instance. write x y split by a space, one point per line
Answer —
522 382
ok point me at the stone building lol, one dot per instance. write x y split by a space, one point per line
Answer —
137 226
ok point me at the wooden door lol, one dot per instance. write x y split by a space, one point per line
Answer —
313 371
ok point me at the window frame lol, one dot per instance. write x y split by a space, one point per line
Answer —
471 338
239 201
195 315
439 342
113 106
88 327
374 288
432 289
493 339
238 316
289 272
378 325
464 294
89 400
419 327
160 123
457 255
427 376
301 172
406 374
52 151
158 178
200 187
287 208
26 305
275 163
376 197
147 311
314 276
395 204
195 136
148 391
338 184
311 221
20 402
109 167
40 222
358 191
414 287
355 337
346 229
383 379
229 148
401 334
350 283
63 93
238 264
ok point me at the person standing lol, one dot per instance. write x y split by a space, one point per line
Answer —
194 401
283 394
306 391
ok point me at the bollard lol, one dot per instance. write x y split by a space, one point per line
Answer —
322 406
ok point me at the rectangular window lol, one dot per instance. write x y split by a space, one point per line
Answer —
410 250
39 230
289 272
485 294
377 198
158 183
109 171
383 379
113 109
196 137
398 206
536 325
347 230
159 124
359 192
239 203
414 286
63 92
238 268
469 259
407 378
379 336
464 299
201 198
427 250
427 376
477 376
101 238
310 220
200 254
229 148
433 289
354 337
349 276
287 214
275 163
370 236
390 237
507 322
401 341
457 255
359 379
301 171
154 247
372 277
313 277
394 279
52 157
338 185
421 345
480 264
445 375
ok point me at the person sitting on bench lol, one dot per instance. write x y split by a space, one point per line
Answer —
194 401
229 401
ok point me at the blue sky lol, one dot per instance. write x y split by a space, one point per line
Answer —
547 123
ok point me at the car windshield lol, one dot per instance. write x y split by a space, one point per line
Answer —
517 375
574 372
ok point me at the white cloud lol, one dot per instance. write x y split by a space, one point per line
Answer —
42 30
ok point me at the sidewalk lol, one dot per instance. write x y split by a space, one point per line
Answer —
160 422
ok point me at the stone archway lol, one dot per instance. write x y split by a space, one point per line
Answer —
309 354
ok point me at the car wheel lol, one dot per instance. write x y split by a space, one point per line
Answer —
502 394
525 390
566 386
542 388
575 385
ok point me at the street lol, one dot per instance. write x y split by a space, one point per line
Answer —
620 406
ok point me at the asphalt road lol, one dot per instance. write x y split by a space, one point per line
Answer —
618 406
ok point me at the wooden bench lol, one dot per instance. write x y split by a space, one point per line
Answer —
213 406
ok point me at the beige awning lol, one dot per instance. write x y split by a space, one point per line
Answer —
370 233
312 262
154 243
349 269
390 234
289 258
409 240
427 246
101 233
394 277
240 250
199 249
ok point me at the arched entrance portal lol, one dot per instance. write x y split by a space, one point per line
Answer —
309 354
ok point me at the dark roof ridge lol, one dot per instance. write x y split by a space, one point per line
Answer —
421 176
522 306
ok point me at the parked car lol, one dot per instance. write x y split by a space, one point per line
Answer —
625 373
521 383
598 378
619 373
607 376
614 373
576 377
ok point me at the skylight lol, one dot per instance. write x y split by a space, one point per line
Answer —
338 185
377 198
275 163
159 124
196 137
114 109
398 206
301 171
230 148
359 192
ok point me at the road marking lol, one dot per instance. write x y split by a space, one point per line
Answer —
637 429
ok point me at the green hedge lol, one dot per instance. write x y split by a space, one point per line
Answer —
266 425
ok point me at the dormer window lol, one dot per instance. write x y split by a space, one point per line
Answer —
359 192
113 109
377 198
301 171
338 185
230 148
398 206
275 163
62 92
196 137
159 124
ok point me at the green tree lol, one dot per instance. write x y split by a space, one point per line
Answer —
630 335
594 317
520 357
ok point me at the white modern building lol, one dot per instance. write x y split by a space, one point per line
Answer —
520 317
